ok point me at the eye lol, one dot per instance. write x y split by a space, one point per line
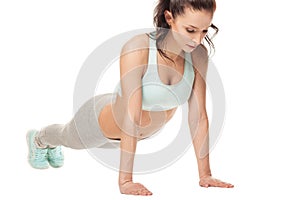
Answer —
190 30
204 31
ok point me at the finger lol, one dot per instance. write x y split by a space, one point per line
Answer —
134 192
220 184
206 185
217 183
144 192
230 185
223 184
212 183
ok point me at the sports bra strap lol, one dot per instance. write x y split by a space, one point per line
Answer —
152 59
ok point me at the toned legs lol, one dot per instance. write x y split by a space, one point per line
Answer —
82 131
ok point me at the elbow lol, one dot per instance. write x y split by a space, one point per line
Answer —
196 117
202 121
131 123
203 118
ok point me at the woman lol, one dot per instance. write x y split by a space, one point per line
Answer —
158 72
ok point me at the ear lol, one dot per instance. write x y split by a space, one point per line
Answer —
168 17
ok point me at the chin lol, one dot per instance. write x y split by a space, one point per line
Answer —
188 50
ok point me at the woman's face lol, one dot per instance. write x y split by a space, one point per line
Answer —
190 28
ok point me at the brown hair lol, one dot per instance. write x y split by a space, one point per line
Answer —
177 7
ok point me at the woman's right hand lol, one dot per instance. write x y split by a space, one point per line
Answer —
134 189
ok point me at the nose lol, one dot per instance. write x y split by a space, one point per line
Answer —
198 39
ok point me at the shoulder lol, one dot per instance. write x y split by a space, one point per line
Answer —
137 45
200 58
199 55
134 54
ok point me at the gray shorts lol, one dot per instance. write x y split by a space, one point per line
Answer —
83 130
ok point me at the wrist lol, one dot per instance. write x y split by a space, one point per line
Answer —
205 176
123 182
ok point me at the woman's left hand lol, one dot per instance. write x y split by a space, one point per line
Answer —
209 181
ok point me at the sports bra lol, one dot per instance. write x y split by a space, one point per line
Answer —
157 96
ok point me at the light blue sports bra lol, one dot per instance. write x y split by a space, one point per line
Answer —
158 96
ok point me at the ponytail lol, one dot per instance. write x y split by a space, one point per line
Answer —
159 16
162 27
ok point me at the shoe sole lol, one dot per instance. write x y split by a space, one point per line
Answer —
55 166
28 138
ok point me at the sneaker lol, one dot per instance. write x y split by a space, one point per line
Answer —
37 157
56 157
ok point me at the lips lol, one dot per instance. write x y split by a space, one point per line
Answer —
191 46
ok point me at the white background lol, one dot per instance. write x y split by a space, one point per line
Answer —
43 45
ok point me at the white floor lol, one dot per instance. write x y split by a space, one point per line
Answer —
44 45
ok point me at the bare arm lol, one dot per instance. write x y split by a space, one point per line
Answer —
131 69
198 121
131 101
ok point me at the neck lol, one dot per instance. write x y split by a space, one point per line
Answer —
171 47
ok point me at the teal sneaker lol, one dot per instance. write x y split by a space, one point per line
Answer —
55 157
37 157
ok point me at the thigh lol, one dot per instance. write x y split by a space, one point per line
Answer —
86 121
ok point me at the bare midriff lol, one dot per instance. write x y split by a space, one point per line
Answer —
151 122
